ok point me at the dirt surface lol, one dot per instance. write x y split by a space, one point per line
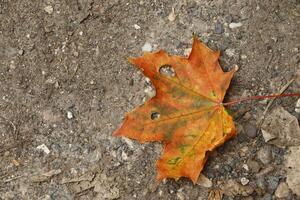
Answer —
65 85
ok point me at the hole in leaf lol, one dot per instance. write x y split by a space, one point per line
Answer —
167 70
155 115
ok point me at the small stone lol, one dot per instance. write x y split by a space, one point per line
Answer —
261 186
124 156
172 16
187 51
246 167
232 188
250 130
48 9
204 181
293 170
267 197
180 195
235 25
137 27
272 183
282 191
75 53
254 166
267 135
297 108
247 116
230 52
297 77
21 52
92 82
70 115
219 28
243 57
44 148
80 33
150 91
244 181
264 155
281 128
6 153
147 47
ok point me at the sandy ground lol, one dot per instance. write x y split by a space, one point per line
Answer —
65 85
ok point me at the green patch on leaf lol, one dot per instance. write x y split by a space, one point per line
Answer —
174 161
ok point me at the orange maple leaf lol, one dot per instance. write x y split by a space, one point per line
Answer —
187 113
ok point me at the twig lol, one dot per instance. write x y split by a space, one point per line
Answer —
11 179
262 118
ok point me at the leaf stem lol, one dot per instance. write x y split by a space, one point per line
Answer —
234 102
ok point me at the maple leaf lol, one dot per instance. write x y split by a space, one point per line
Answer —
186 114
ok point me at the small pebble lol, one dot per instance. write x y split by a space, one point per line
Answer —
261 186
250 130
244 181
282 191
70 115
81 33
124 156
75 53
267 197
137 27
172 15
6 153
204 181
235 25
21 52
253 166
48 9
243 57
44 148
264 155
150 91
246 167
219 28
273 182
147 47
297 108
230 52
187 51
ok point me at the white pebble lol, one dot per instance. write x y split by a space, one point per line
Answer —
81 33
147 47
124 155
44 148
297 109
246 167
187 51
244 181
69 115
150 92
235 25
21 52
230 52
137 27
48 9
172 15
243 56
